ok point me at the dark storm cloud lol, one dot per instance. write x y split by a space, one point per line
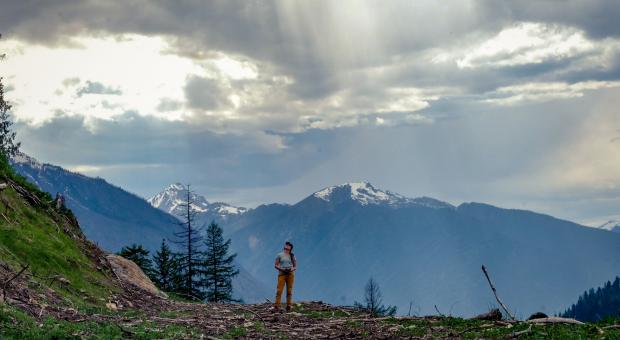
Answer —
204 94
320 44
182 150
598 18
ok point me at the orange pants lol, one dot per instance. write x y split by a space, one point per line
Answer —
289 279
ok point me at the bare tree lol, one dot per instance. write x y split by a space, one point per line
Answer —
189 241
374 301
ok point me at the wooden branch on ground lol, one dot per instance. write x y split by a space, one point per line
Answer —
495 293
611 327
6 284
555 320
523 332
251 311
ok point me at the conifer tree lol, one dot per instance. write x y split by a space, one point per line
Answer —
595 305
189 256
139 256
8 146
218 268
166 268
373 301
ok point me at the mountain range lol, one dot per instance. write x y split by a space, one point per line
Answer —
419 250
114 218
425 251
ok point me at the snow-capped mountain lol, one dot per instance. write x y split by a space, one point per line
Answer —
173 199
613 225
365 193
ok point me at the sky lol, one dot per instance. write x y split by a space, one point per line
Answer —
510 103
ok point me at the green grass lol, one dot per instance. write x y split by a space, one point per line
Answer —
33 237
473 329
320 314
15 324
235 332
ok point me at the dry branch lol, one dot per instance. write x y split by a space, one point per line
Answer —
6 284
495 293
438 312
523 332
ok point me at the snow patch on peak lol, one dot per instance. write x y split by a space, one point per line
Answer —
22 158
612 225
365 194
173 200
176 186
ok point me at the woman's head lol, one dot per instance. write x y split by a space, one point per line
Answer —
288 246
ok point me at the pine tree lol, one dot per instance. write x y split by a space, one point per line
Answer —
595 305
218 268
190 256
374 301
139 256
8 146
166 270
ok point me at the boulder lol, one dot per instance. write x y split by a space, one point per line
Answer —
129 273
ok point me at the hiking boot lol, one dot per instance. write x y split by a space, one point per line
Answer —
288 309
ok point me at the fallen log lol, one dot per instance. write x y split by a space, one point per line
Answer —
554 319
494 315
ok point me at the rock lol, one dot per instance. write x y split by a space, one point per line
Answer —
111 306
129 272
538 315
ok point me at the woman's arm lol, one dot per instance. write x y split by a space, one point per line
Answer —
277 264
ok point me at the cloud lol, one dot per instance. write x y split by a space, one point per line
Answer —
264 101
530 92
204 94
96 88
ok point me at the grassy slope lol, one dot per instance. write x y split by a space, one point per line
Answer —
34 237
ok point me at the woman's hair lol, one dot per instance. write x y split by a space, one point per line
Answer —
292 255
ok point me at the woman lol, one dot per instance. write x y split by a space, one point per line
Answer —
286 266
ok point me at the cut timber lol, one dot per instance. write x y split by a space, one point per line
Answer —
494 315
555 320
129 273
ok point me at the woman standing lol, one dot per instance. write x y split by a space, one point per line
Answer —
286 266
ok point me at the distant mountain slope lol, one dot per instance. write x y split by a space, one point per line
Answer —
109 215
426 251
